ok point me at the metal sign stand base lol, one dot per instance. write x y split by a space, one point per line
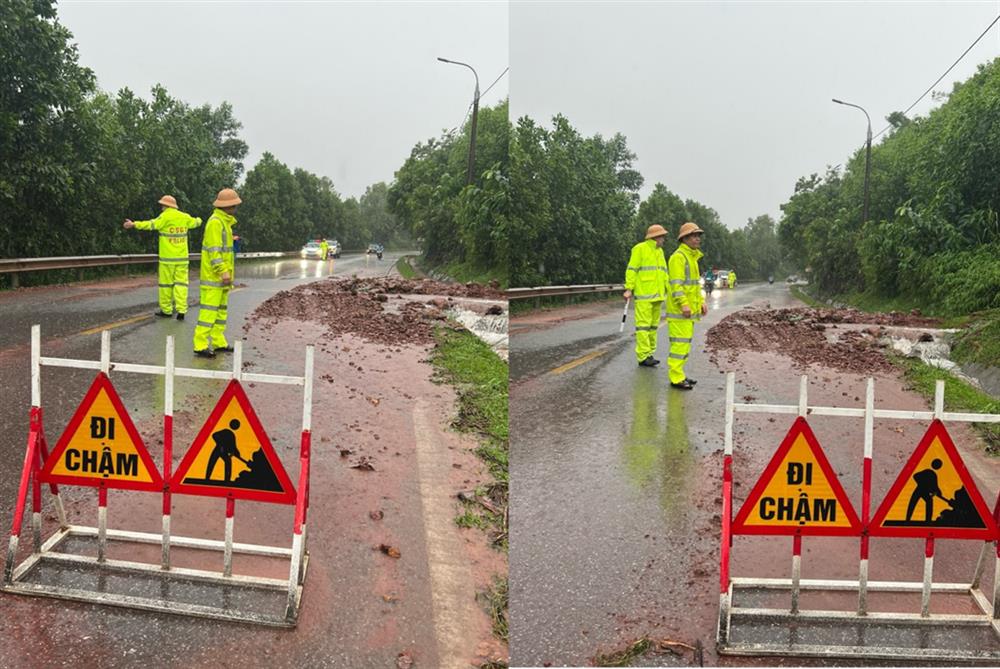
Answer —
49 552
734 620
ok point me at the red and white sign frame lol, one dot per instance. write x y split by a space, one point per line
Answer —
36 453
729 613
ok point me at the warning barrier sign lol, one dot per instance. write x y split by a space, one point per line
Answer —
934 495
798 493
232 456
101 447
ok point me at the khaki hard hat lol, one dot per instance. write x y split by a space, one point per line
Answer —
168 201
227 198
656 231
688 229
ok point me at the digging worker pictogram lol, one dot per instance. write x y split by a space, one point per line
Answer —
172 226
217 267
645 283
927 489
685 304
225 448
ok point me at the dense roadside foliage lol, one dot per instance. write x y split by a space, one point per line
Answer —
576 212
76 161
932 237
460 224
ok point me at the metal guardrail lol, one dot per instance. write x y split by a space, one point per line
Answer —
15 266
553 291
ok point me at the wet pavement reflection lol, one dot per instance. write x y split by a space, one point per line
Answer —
612 489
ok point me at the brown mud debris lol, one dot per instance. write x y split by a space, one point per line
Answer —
362 307
391 551
802 334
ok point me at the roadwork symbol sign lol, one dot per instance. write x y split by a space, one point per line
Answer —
233 457
934 495
798 493
101 447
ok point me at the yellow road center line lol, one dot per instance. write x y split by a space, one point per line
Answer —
128 321
116 324
576 363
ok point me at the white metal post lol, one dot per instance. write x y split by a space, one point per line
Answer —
307 396
866 494
106 351
36 369
238 360
168 413
797 540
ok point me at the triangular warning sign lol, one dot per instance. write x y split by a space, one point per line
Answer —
232 456
798 493
934 496
101 447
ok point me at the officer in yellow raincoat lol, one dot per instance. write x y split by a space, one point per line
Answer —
732 279
685 304
645 283
173 226
217 266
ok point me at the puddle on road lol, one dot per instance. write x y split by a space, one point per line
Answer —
657 448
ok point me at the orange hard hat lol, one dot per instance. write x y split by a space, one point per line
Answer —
227 197
688 229
168 201
656 231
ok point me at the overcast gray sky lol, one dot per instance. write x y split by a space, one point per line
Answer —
344 90
729 103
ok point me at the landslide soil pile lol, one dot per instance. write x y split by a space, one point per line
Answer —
370 308
811 336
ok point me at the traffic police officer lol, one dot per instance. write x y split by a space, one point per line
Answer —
685 304
645 281
173 226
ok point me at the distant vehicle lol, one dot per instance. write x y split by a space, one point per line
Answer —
313 251
334 248
376 249
722 278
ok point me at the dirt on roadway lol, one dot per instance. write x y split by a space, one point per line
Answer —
811 336
391 468
374 309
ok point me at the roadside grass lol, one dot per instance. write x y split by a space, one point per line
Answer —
979 342
877 304
480 378
958 396
528 305
624 657
646 646
407 270
465 272
495 600
800 293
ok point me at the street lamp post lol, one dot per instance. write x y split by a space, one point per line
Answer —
475 116
868 154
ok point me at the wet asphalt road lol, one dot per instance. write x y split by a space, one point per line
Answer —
51 633
616 487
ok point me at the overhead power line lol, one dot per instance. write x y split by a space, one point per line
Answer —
481 95
469 110
943 75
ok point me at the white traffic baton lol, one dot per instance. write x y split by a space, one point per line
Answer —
624 316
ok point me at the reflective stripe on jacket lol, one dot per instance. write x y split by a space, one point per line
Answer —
646 274
217 247
173 226
683 287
